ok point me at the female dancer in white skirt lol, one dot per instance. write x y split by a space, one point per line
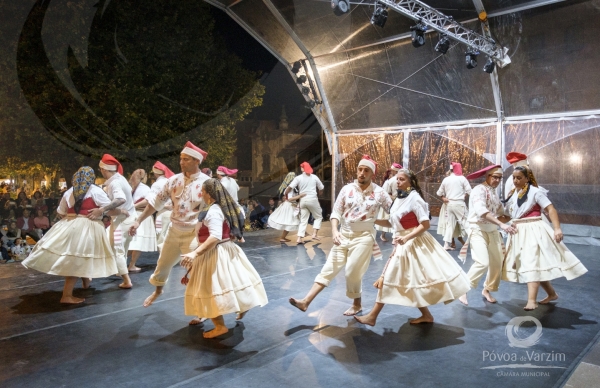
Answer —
535 254
76 247
389 186
222 279
145 237
419 273
286 216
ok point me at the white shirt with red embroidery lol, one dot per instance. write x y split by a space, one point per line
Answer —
357 209
483 199
186 195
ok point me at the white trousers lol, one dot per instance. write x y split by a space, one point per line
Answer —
119 237
354 254
308 206
455 213
177 243
486 251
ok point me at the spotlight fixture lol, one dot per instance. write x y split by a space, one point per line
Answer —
296 67
443 44
379 15
340 7
471 58
418 34
301 79
489 66
305 90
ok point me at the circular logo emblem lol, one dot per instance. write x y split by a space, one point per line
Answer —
516 339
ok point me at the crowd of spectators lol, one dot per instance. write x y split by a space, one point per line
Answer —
256 213
24 219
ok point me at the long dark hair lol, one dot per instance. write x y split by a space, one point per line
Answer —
414 181
386 176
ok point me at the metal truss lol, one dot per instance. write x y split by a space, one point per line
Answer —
436 20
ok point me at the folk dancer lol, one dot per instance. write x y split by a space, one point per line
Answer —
307 183
185 192
536 254
419 273
355 209
453 214
485 216
389 186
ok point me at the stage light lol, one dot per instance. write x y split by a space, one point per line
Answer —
340 7
300 80
379 15
296 67
471 58
305 90
418 34
443 44
489 66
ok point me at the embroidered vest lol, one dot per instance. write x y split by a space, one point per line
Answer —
87 204
203 233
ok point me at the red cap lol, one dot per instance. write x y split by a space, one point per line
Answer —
307 168
368 162
193 151
110 163
161 167
222 170
514 157
396 167
456 168
485 171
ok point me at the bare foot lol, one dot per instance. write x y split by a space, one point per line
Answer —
217 331
197 321
149 300
486 294
353 310
453 245
134 269
240 316
283 240
549 299
531 305
299 241
85 283
366 319
316 238
126 286
422 319
463 300
71 300
299 304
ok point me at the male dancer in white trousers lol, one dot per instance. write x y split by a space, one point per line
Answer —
308 184
184 190
355 209
485 216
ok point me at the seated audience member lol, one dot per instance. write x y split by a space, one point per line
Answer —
269 211
22 201
257 213
20 250
12 233
41 221
25 223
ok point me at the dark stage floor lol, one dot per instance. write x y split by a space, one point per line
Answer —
112 341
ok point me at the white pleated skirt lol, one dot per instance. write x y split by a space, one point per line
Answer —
145 237
283 217
421 273
532 255
74 246
223 281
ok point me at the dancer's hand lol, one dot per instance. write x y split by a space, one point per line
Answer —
133 228
336 237
401 240
511 229
188 259
95 214
378 283
558 235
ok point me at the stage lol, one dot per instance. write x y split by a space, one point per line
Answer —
112 341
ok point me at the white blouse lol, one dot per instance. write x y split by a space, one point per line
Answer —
403 206
68 201
535 196
140 192
214 221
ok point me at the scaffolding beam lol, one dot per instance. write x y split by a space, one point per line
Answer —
434 19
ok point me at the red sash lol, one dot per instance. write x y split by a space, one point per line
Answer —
203 233
535 211
87 204
409 221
